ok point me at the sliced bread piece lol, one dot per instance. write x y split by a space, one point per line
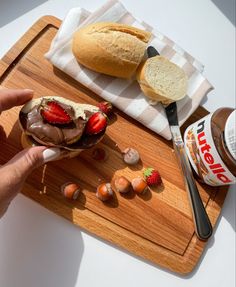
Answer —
162 80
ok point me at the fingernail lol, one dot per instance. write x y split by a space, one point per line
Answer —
51 154
29 91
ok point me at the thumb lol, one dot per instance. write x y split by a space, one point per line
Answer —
14 173
22 164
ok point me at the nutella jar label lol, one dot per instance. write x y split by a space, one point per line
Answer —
203 155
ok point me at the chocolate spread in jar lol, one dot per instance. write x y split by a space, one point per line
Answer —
210 146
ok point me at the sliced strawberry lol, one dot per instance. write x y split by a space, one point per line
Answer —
53 113
105 107
96 123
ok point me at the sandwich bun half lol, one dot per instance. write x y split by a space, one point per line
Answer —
69 137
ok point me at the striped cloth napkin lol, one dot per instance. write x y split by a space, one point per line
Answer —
126 94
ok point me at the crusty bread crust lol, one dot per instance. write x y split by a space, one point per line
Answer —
161 80
110 48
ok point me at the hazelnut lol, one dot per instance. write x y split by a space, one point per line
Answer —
104 191
99 154
131 156
139 185
122 184
70 190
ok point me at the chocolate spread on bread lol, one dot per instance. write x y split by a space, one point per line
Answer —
69 135
34 123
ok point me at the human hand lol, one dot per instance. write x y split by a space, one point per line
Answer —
14 173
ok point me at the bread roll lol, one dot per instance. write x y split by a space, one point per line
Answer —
162 80
110 48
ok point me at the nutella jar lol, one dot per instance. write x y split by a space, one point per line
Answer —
210 144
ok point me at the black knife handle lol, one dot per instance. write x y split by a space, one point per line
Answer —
152 52
201 220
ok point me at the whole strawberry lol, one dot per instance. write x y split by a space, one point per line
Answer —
152 176
105 107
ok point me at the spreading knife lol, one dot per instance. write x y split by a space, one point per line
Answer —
202 224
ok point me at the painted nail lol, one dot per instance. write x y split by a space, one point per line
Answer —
51 154
29 91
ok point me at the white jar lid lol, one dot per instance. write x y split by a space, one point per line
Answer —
230 134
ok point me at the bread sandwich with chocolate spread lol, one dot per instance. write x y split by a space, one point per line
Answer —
59 122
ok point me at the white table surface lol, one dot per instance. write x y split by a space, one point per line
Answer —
41 249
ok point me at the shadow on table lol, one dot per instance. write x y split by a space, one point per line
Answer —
227 7
38 252
11 9
228 211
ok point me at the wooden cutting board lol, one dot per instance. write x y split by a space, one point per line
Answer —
158 226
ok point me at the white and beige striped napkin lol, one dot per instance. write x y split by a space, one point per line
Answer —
126 94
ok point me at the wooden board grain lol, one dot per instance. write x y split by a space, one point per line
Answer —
157 226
